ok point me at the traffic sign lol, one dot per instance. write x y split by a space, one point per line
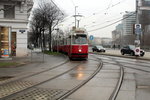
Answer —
91 37
138 29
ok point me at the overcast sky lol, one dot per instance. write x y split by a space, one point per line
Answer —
96 14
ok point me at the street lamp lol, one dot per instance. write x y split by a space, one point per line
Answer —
75 15
78 19
57 36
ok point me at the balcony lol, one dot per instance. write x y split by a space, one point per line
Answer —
28 1
12 0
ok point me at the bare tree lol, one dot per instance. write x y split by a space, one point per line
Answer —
46 16
54 16
37 27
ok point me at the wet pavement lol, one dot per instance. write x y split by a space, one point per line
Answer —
58 79
135 85
136 77
31 66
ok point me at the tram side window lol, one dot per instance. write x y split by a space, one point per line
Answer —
68 41
64 41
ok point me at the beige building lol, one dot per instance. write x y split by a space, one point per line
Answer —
15 14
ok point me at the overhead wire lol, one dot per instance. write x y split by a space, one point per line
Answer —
112 23
108 21
73 3
105 9
109 5
70 16
57 7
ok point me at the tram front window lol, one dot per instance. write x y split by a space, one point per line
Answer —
80 40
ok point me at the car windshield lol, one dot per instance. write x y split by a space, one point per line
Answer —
99 47
131 46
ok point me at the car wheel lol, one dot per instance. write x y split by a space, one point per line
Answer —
122 52
70 58
132 53
142 54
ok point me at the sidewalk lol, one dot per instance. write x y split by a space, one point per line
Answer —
30 66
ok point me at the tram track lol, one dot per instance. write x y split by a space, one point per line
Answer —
142 66
13 96
83 83
25 85
63 96
119 83
116 90
139 69
36 73
129 62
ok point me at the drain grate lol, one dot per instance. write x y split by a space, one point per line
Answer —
40 94
14 87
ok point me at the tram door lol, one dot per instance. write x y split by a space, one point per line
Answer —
13 43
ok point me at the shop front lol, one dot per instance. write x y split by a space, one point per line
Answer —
5 41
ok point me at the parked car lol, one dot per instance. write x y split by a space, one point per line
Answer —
130 49
98 48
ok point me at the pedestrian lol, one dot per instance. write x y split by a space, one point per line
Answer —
118 46
114 46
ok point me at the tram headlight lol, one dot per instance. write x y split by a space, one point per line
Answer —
80 50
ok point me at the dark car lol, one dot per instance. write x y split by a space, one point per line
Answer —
130 49
98 48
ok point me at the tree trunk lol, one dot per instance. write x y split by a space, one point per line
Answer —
43 37
50 39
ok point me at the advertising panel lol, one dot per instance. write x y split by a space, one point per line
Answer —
4 41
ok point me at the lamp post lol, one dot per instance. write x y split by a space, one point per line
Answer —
57 36
75 15
78 19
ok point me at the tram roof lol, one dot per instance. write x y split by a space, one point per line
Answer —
78 30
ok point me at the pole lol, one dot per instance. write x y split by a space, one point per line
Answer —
137 18
137 41
31 55
57 38
75 15
43 56
78 23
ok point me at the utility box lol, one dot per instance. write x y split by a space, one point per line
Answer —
5 41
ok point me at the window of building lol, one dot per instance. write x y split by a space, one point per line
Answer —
9 11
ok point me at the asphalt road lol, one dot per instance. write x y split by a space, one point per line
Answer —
41 80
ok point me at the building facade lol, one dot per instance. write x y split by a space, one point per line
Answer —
15 14
106 42
128 28
144 20
117 36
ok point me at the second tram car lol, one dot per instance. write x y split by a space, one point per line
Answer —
75 45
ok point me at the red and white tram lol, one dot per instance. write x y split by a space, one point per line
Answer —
75 45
